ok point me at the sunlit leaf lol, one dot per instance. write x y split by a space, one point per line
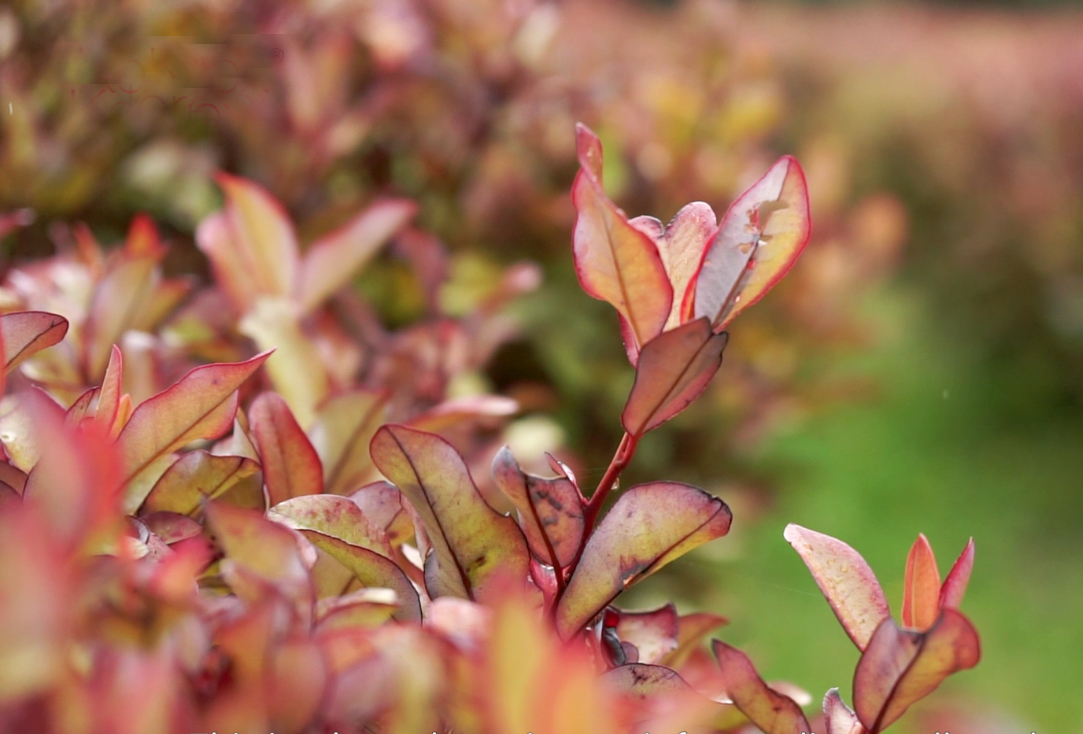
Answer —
838 717
901 666
654 632
845 579
768 709
341 433
921 588
758 240
615 261
291 467
954 588
550 511
200 405
108 411
333 260
195 477
649 526
673 369
25 333
332 515
472 544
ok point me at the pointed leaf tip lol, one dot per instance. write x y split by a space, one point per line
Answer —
954 588
921 588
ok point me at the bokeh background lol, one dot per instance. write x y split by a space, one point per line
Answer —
920 370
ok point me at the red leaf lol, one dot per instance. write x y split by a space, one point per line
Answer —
673 369
770 710
921 588
615 261
291 467
900 666
759 238
845 579
954 588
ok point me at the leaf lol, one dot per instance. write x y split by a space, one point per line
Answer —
332 515
372 570
681 245
108 411
838 717
472 544
341 433
25 333
845 579
692 630
118 297
654 632
649 526
641 681
673 369
550 512
770 710
291 467
256 547
615 261
900 666
381 503
195 477
332 261
251 244
921 588
954 588
200 405
758 240
143 237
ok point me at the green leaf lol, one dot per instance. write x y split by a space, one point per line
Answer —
768 709
341 434
673 369
291 467
900 666
649 526
195 477
473 546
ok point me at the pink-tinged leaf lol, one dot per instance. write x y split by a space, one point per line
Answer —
845 579
768 709
332 261
758 240
681 244
649 526
341 434
25 333
118 297
172 527
921 588
200 405
12 476
291 467
692 630
654 632
361 608
143 237
105 417
472 544
80 409
257 548
901 666
194 478
373 570
450 413
332 515
954 588
615 261
298 681
381 503
550 512
673 369
251 244
838 717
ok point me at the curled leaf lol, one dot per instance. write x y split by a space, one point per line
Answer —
845 579
900 666
673 369
838 717
768 709
649 526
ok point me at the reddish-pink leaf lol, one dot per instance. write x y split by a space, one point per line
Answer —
105 417
615 261
195 477
381 503
768 709
845 579
332 261
550 512
681 244
901 666
649 526
291 467
143 237
12 476
472 544
673 369
200 405
758 240
344 427
921 588
654 632
80 409
251 244
25 333
954 588
838 717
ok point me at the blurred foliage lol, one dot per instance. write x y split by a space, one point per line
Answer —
941 145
